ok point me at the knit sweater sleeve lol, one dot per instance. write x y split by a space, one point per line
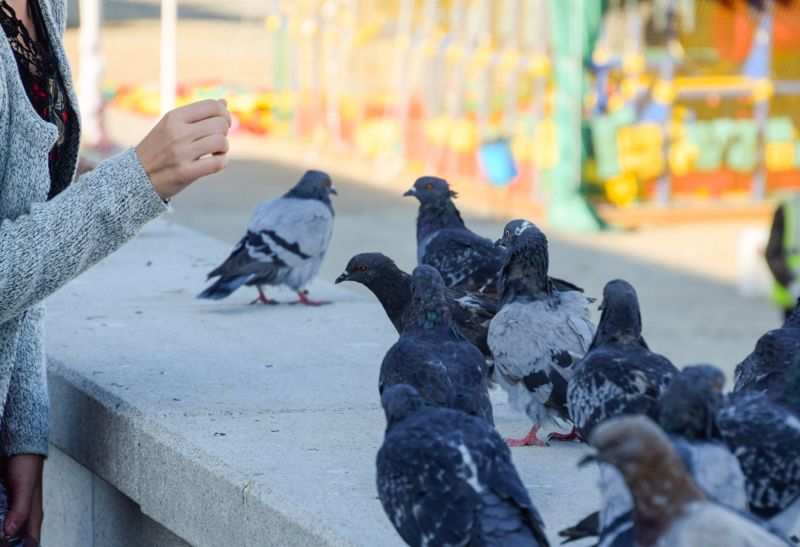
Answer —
61 238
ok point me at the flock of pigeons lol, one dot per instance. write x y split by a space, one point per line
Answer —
680 462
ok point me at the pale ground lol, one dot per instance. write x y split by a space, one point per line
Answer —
686 276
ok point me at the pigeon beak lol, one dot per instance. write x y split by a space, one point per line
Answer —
499 243
333 191
411 192
588 458
602 306
341 278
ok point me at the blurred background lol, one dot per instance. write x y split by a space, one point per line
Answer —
656 132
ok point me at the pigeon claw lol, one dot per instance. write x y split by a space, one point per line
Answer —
306 301
528 440
573 435
263 299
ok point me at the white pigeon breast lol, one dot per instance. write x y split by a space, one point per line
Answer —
707 524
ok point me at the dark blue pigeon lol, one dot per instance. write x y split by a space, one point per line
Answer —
687 413
432 356
464 258
471 311
766 368
285 243
764 433
446 478
538 334
619 374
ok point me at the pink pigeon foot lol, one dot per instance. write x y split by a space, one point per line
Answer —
571 436
304 300
263 299
528 440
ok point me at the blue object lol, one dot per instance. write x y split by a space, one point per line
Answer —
497 162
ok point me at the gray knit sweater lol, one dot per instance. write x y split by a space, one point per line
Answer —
44 244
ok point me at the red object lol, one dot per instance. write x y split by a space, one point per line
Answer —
733 27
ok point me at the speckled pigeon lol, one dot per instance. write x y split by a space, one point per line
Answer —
464 258
687 410
446 478
538 334
471 311
619 374
765 435
669 507
285 243
432 356
765 369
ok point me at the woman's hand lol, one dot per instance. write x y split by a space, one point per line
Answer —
22 475
186 144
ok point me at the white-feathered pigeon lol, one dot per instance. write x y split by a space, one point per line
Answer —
669 508
471 311
765 436
285 243
432 356
446 478
765 369
538 334
619 374
687 412
464 258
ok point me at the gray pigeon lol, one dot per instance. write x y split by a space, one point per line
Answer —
432 356
766 367
464 259
687 412
765 436
669 507
538 334
445 478
285 243
619 374
471 311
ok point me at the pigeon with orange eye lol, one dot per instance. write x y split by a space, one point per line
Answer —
285 244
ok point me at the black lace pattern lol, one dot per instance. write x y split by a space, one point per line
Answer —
38 70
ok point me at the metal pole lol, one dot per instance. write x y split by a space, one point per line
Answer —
169 23
92 65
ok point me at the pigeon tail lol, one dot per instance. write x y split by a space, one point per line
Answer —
223 287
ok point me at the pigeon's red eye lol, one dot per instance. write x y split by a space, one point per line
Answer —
429 186
361 268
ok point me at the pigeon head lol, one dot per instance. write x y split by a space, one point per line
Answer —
527 261
428 300
313 185
513 231
368 268
689 404
431 190
620 318
399 401
656 477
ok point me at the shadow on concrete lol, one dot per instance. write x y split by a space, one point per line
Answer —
120 11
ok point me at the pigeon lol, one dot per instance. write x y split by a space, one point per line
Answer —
619 374
465 259
285 243
765 368
471 311
537 335
669 507
765 437
687 410
446 478
432 356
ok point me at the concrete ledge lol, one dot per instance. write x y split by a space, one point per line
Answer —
227 424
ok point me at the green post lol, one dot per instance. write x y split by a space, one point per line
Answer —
575 25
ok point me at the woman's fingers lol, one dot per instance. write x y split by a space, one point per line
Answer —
202 110
208 165
24 479
210 126
211 144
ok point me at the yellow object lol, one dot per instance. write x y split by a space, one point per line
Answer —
762 90
545 147
791 211
682 157
615 102
711 83
509 60
634 63
539 66
640 150
663 92
779 156
601 56
437 129
374 137
463 136
273 23
630 87
622 190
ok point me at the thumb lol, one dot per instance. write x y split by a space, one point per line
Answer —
21 499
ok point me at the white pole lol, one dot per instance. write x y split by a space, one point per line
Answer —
90 97
169 23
